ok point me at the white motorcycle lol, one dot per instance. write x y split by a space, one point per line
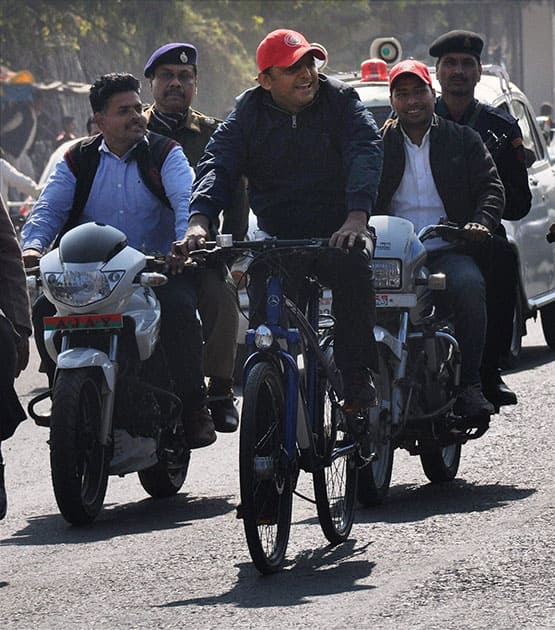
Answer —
114 410
418 378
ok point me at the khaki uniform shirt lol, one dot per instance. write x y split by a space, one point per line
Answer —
193 133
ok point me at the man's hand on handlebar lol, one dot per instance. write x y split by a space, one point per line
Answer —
354 229
195 238
31 258
476 232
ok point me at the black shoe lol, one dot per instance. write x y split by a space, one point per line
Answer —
471 403
358 391
221 403
496 390
199 429
3 497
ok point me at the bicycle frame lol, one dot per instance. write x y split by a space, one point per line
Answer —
301 401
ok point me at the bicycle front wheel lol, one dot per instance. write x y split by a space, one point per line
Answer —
335 485
266 476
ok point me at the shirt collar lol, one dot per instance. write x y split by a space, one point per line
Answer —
126 156
426 136
173 122
441 109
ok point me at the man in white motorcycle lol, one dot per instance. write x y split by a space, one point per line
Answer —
436 170
140 183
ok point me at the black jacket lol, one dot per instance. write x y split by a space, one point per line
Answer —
305 171
502 135
463 170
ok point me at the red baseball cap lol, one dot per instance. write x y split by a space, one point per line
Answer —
283 48
410 66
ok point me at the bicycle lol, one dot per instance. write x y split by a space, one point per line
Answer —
292 418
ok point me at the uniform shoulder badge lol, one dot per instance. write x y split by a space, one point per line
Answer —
207 121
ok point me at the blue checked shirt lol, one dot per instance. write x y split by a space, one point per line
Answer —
120 198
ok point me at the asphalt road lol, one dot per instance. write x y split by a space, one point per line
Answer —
475 553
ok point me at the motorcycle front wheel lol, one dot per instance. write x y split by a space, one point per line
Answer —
374 479
79 463
160 482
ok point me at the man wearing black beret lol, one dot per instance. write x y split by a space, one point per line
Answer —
172 73
458 71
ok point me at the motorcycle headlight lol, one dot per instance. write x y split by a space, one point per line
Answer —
81 288
387 273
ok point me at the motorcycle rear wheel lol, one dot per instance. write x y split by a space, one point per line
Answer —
79 463
440 463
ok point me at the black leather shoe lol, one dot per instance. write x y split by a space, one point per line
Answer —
224 413
3 497
496 390
221 402
359 392
471 403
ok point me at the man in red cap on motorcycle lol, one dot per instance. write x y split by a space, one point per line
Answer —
436 170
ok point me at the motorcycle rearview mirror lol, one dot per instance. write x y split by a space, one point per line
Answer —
32 282
437 281
224 240
320 63
152 279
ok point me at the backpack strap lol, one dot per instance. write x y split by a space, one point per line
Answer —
150 160
82 159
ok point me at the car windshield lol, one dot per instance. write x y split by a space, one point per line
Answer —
375 97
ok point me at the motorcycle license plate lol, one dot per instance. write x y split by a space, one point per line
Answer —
84 322
382 300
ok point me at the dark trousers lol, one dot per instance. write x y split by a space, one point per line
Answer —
11 411
499 266
180 335
349 276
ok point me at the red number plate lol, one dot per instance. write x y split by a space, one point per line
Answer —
84 322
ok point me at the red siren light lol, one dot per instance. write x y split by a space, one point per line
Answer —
373 70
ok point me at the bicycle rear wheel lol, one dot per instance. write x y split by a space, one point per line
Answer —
335 484
266 477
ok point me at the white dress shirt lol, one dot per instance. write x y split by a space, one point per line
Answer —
417 199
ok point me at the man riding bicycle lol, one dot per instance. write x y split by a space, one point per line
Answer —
313 156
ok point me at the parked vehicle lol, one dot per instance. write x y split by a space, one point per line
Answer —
419 362
113 407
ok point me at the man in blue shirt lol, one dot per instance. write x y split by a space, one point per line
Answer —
121 196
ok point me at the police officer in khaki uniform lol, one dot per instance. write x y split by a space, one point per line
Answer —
172 72
458 70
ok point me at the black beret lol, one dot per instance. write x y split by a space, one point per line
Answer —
174 53
457 42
